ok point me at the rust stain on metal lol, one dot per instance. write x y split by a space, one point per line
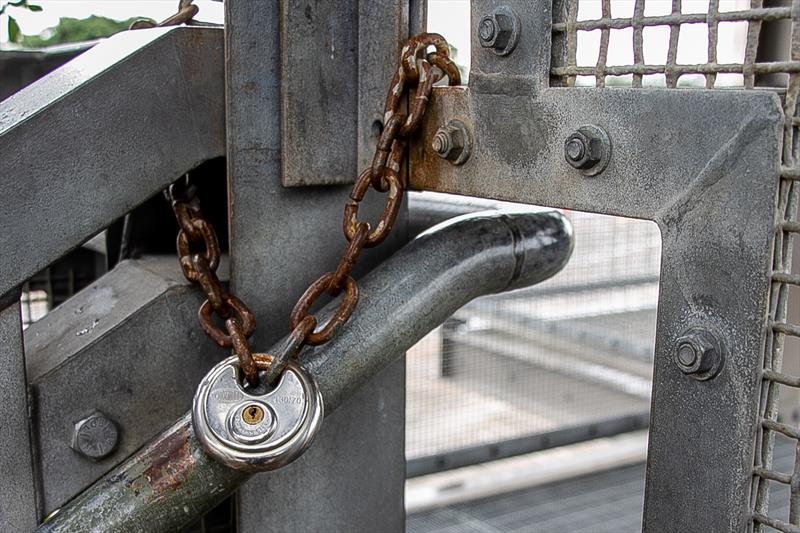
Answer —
170 463
164 466
428 171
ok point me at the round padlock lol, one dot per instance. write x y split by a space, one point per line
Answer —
256 428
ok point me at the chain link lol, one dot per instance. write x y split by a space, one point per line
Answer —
198 248
198 252
416 75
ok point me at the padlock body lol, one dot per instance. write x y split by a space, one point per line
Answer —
256 428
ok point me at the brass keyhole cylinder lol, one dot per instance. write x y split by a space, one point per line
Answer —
252 414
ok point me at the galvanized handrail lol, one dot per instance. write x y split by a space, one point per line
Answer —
76 152
171 481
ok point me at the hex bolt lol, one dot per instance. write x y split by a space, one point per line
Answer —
699 354
452 142
575 150
442 143
95 436
588 149
499 30
486 30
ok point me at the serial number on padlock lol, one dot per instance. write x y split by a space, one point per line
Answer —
290 399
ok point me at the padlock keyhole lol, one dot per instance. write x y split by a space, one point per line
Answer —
252 414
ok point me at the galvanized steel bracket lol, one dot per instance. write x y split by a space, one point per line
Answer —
703 165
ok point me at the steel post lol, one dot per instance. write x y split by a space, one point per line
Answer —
19 497
271 269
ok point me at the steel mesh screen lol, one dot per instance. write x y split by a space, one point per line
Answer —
758 57
650 38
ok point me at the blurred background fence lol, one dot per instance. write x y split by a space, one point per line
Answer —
561 362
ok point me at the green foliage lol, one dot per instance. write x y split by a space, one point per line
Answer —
13 28
70 30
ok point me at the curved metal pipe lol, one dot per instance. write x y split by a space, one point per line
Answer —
422 284
171 481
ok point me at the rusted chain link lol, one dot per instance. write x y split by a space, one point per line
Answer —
186 12
417 73
199 251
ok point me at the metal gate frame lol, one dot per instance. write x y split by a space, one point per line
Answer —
703 165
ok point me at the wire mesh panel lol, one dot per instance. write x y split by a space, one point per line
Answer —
750 44
642 42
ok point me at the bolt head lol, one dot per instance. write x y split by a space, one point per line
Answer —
698 354
499 30
575 149
441 143
95 436
487 29
580 152
452 142
687 355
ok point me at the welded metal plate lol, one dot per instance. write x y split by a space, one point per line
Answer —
319 96
128 345
703 165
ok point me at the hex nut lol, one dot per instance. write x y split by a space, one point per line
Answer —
699 354
499 30
588 149
452 142
95 436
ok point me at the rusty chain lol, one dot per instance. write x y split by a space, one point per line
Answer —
198 249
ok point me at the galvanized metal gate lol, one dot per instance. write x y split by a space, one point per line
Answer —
716 169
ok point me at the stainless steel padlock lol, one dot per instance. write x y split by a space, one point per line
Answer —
256 428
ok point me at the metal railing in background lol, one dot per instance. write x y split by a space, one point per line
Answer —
566 361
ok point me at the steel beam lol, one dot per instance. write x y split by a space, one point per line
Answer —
128 346
271 269
19 510
704 166
171 481
88 142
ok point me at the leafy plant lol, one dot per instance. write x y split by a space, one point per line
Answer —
70 30
14 35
